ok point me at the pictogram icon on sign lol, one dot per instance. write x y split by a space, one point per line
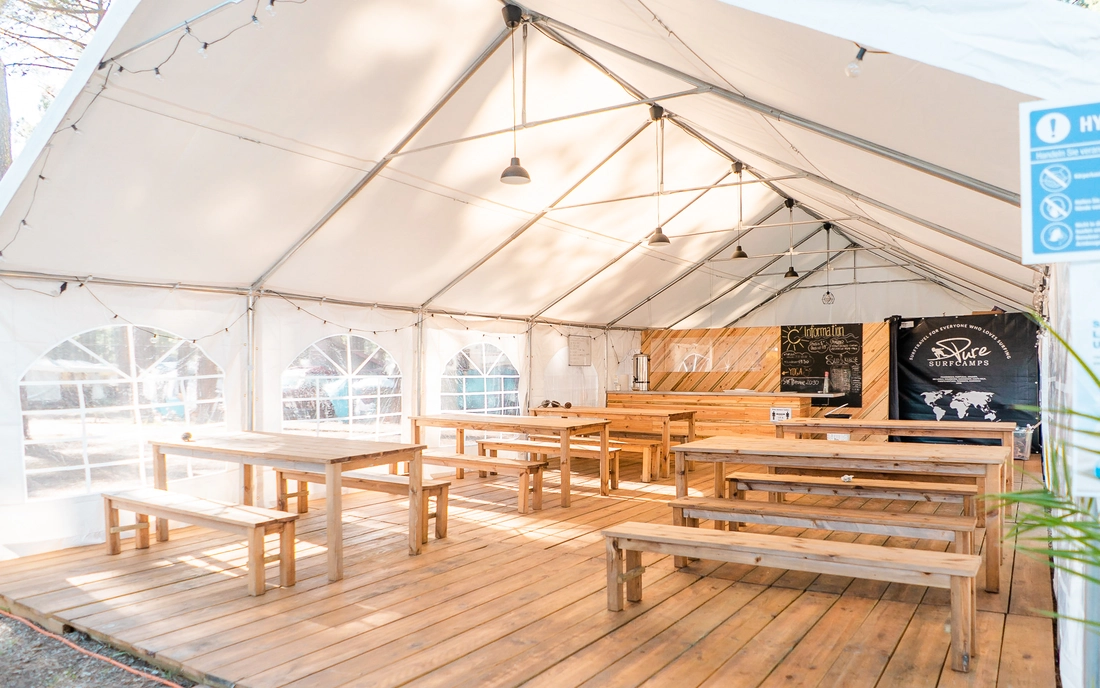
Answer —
1055 178
1056 207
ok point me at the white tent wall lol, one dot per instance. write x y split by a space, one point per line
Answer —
31 324
552 378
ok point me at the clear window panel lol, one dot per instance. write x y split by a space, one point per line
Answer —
452 402
335 349
298 411
493 384
49 397
389 405
125 447
103 395
67 361
475 401
451 385
511 383
475 384
56 484
107 478
53 455
67 425
110 423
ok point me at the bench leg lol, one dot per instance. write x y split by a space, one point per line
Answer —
615 472
678 520
536 485
110 517
302 499
962 623
256 584
280 491
646 468
615 591
425 502
982 503
287 571
141 535
524 486
633 561
964 542
441 513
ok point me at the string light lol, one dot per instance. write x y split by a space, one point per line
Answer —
155 70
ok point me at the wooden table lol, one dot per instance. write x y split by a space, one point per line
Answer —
963 461
633 420
562 427
972 430
329 455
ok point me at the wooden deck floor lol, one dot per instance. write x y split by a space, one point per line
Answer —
509 599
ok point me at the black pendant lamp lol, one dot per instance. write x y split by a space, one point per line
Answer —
827 298
791 272
739 253
657 113
514 173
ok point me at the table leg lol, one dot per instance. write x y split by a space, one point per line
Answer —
720 490
681 477
993 477
160 481
605 465
334 526
248 475
416 506
565 468
778 432
1010 473
666 443
460 441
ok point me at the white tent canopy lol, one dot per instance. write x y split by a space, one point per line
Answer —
318 157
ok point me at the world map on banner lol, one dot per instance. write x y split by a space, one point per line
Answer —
973 368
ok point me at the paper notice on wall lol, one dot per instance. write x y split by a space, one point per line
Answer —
780 414
1084 448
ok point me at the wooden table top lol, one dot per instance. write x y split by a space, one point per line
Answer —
945 425
470 420
602 411
825 449
282 446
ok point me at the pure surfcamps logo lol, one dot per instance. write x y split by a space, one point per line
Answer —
959 351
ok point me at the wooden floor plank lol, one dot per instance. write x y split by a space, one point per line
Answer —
512 598
1027 653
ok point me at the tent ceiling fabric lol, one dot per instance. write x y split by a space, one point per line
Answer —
213 174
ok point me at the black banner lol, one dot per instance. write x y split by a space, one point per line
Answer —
812 354
971 367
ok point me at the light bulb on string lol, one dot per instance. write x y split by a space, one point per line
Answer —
271 7
855 67
156 73
202 49
827 298
256 22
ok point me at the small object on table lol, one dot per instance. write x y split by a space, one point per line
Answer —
847 478
186 437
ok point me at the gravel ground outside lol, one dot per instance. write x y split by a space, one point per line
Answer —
31 660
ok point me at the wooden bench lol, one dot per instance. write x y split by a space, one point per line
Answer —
529 472
649 449
906 490
957 529
374 482
955 572
251 521
548 449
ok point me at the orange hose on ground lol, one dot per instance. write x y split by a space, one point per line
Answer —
76 647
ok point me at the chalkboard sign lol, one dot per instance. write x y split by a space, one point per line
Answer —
808 352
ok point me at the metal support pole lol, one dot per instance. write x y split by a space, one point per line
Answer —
625 253
746 279
778 115
420 358
687 273
534 219
786 288
381 164
856 196
747 182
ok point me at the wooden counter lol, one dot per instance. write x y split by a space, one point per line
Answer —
719 413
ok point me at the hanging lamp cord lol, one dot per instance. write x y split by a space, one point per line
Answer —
513 39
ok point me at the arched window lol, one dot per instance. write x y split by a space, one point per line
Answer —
481 379
344 386
91 403
694 363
